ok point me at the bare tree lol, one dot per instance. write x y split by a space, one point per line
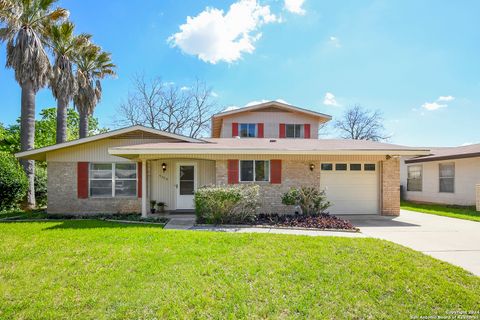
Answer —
362 124
169 107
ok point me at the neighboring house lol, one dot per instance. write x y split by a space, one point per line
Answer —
447 175
274 145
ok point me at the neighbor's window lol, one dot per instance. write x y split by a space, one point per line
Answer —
248 130
254 170
340 166
414 178
113 179
447 177
327 166
369 167
294 131
355 167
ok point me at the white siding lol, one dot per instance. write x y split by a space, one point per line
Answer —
271 122
467 175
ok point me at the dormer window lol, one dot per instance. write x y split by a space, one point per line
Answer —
295 131
248 130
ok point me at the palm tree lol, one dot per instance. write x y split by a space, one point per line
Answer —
24 29
93 64
63 83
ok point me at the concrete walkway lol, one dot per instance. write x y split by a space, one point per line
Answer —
180 221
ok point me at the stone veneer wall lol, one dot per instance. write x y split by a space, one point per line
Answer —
390 187
294 173
62 194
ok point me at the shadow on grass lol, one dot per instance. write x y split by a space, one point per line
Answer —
87 224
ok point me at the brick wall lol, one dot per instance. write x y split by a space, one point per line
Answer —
62 194
390 187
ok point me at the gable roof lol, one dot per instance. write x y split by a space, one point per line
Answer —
449 153
125 133
217 118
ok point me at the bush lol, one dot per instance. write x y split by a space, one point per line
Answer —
40 186
310 200
13 182
223 205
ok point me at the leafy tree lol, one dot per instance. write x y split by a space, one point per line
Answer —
25 25
361 124
13 181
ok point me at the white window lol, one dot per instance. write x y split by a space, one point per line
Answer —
254 170
447 177
248 130
113 180
414 178
295 130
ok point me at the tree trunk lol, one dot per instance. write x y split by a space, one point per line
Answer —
62 105
83 129
27 138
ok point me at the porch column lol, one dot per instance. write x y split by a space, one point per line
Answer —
144 188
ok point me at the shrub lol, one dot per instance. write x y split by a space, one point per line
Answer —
310 200
226 204
13 181
40 186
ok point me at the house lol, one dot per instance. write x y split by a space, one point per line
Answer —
446 175
272 144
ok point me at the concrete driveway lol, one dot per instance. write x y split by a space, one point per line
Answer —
452 240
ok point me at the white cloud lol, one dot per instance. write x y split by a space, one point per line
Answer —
230 108
254 102
184 88
446 98
215 36
295 6
214 94
330 100
431 106
334 41
466 144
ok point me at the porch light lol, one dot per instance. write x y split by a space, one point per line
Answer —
312 166
164 167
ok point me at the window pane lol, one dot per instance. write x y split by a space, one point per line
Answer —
446 185
124 188
369 167
101 171
340 166
243 130
187 188
187 173
246 170
262 169
327 166
290 130
355 167
447 170
125 171
251 130
101 188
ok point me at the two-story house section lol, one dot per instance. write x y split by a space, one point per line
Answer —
268 120
273 145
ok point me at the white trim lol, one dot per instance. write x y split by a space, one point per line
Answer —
144 189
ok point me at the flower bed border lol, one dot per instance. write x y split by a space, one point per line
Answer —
265 226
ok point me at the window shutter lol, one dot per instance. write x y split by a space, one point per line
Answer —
276 171
282 130
139 179
260 130
232 171
234 129
306 129
82 180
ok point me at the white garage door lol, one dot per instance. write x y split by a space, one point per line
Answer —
352 188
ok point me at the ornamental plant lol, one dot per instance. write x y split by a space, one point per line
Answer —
311 201
13 182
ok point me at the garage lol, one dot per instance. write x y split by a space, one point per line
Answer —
352 188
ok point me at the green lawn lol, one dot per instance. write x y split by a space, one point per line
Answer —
99 270
460 212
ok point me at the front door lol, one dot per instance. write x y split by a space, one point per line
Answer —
186 185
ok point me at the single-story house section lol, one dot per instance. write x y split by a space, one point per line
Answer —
447 176
122 170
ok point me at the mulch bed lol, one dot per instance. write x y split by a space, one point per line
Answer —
322 221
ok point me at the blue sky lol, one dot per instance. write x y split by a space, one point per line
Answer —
416 61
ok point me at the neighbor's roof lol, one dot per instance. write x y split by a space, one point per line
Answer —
271 146
140 131
217 118
449 153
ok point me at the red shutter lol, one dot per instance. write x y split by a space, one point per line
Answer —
276 171
234 129
306 128
232 171
282 130
139 179
82 180
260 130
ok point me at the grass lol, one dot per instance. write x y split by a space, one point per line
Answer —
452 211
99 270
